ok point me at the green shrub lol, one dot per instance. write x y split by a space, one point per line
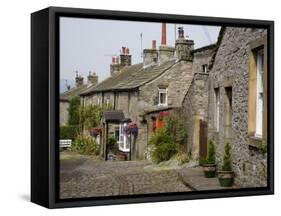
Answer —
112 145
163 145
69 132
90 115
263 147
73 110
176 128
227 158
211 155
86 145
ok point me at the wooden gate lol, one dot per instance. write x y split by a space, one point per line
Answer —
203 140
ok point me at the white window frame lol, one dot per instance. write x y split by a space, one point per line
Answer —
259 93
217 108
162 91
205 68
107 101
122 143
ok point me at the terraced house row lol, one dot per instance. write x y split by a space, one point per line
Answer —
219 90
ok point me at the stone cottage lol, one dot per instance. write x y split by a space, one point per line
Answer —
237 107
75 91
143 90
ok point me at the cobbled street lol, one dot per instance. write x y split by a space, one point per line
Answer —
85 176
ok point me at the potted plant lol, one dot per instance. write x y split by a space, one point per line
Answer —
226 175
209 164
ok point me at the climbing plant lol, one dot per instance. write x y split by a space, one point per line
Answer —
73 110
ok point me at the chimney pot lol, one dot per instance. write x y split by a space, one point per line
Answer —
123 50
163 40
153 44
180 32
127 51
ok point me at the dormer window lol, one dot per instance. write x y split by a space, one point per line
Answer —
162 96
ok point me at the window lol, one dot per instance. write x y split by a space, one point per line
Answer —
228 113
124 145
217 108
107 101
259 93
98 101
162 96
204 68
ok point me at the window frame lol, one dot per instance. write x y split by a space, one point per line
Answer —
162 91
254 47
217 109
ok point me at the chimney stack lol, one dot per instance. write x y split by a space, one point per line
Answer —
165 52
114 66
79 80
150 56
125 57
183 46
92 78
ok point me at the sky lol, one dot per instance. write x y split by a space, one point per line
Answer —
88 44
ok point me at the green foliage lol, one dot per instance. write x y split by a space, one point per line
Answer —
227 158
73 110
69 132
163 144
86 145
112 145
176 129
263 147
90 115
211 155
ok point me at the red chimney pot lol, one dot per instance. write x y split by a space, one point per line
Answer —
163 40
127 51
153 44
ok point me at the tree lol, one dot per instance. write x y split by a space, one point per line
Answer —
73 111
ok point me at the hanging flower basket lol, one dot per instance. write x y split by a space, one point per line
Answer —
95 131
131 128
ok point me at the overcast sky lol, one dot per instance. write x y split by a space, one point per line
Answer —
87 44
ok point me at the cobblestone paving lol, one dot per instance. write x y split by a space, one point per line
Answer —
82 176
195 179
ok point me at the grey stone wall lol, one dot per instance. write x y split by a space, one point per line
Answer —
177 79
64 112
231 67
195 106
201 57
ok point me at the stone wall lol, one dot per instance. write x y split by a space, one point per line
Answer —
202 56
194 108
231 69
64 105
177 80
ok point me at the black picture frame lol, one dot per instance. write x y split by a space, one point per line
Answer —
45 106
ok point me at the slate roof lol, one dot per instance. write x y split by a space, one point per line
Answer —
67 95
131 77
